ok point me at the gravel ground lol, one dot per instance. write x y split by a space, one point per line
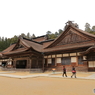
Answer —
46 86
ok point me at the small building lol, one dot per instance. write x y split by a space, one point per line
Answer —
74 47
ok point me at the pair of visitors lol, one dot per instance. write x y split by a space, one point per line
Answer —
73 72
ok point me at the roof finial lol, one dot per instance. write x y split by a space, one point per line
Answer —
20 37
71 23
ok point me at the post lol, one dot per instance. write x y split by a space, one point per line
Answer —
14 64
43 61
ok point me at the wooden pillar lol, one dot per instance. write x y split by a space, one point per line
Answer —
0 63
37 62
43 62
28 63
76 60
55 60
14 64
47 62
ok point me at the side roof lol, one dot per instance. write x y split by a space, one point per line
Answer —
21 46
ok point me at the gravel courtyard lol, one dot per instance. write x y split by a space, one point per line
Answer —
46 86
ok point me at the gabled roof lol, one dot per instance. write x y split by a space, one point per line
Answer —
74 29
26 45
35 46
83 39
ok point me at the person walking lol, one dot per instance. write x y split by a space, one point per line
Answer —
73 72
64 71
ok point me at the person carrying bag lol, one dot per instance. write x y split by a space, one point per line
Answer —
73 72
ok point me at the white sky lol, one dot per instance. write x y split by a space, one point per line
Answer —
39 16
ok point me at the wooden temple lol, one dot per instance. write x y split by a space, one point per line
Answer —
74 47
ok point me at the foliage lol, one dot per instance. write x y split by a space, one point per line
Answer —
54 35
87 27
6 42
93 28
33 36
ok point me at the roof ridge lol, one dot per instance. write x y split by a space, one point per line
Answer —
39 36
25 43
80 30
31 40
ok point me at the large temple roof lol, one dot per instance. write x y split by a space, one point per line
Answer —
71 38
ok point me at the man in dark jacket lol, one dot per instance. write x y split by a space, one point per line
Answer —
64 71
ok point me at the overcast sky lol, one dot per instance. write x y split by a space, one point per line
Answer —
40 16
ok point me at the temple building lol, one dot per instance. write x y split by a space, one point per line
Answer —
74 47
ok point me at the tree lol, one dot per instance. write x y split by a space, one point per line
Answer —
28 35
93 28
14 39
52 36
87 27
48 33
33 36
60 31
23 35
56 34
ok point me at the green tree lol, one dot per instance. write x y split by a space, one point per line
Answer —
60 31
28 35
14 39
33 36
23 35
87 27
56 34
93 28
48 33
52 36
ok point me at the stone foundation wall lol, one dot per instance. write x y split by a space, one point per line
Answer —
69 68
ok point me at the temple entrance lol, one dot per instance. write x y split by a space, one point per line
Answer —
4 63
21 64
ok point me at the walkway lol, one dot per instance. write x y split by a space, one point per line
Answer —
10 74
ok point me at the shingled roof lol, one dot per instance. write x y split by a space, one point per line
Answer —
27 44
58 44
53 46
88 50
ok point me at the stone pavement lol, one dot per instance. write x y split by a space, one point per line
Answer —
91 76
5 74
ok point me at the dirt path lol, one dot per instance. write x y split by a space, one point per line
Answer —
46 86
